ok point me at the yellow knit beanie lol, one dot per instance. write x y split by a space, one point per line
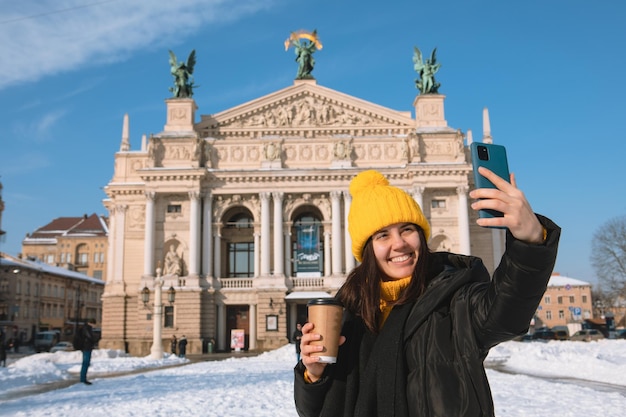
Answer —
376 204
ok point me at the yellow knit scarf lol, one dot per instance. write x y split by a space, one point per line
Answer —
389 292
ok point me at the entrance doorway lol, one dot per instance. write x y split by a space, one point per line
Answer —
238 317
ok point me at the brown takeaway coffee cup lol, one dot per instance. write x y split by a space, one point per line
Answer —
326 314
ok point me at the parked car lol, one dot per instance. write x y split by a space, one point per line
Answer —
561 334
544 335
62 347
524 338
46 339
587 335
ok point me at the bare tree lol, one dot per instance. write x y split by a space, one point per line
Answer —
608 257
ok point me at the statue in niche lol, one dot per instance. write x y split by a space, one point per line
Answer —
426 70
305 45
173 264
183 75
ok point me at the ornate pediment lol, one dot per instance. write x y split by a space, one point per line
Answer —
304 106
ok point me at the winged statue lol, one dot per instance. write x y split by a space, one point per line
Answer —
183 75
426 70
305 44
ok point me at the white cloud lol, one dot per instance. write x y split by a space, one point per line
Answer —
52 36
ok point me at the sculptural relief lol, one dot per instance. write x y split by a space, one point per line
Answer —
137 217
271 151
303 111
342 150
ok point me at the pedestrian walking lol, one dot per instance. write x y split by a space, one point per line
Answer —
295 338
174 344
182 346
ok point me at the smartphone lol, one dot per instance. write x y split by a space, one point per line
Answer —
492 157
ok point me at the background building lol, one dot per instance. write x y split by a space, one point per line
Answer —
76 243
245 211
35 296
567 301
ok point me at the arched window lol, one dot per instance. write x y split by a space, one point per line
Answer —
239 236
308 246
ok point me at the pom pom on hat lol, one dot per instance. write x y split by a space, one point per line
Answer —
376 204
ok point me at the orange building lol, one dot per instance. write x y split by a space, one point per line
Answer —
566 301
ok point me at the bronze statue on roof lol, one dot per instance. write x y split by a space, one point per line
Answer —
183 75
305 44
426 70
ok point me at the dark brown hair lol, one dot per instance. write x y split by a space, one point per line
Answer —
360 293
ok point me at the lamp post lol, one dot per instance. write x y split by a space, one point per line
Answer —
156 352
77 314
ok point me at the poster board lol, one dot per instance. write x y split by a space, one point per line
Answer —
237 339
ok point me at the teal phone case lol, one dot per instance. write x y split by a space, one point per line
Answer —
492 157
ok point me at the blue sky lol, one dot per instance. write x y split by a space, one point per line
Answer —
551 74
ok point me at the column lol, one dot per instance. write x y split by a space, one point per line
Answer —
327 254
265 233
418 196
464 239
293 314
207 216
111 259
222 337
120 223
350 261
287 258
279 264
148 240
253 326
194 233
257 254
498 239
217 256
336 231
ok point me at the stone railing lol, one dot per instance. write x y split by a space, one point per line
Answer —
235 282
307 282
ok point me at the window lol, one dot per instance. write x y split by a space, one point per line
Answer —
561 314
239 238
571 299
83 258
240 259
174 208
584 299
169 316
548 315
50 259
307 250
240 222
547 299
559 300
97 274
438 203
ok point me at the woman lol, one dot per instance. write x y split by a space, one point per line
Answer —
417 324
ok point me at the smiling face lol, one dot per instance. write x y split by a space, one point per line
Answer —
396 248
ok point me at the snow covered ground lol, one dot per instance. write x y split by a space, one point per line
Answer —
537 380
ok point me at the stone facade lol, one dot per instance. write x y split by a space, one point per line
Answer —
231 194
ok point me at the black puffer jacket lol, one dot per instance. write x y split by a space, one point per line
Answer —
428 358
